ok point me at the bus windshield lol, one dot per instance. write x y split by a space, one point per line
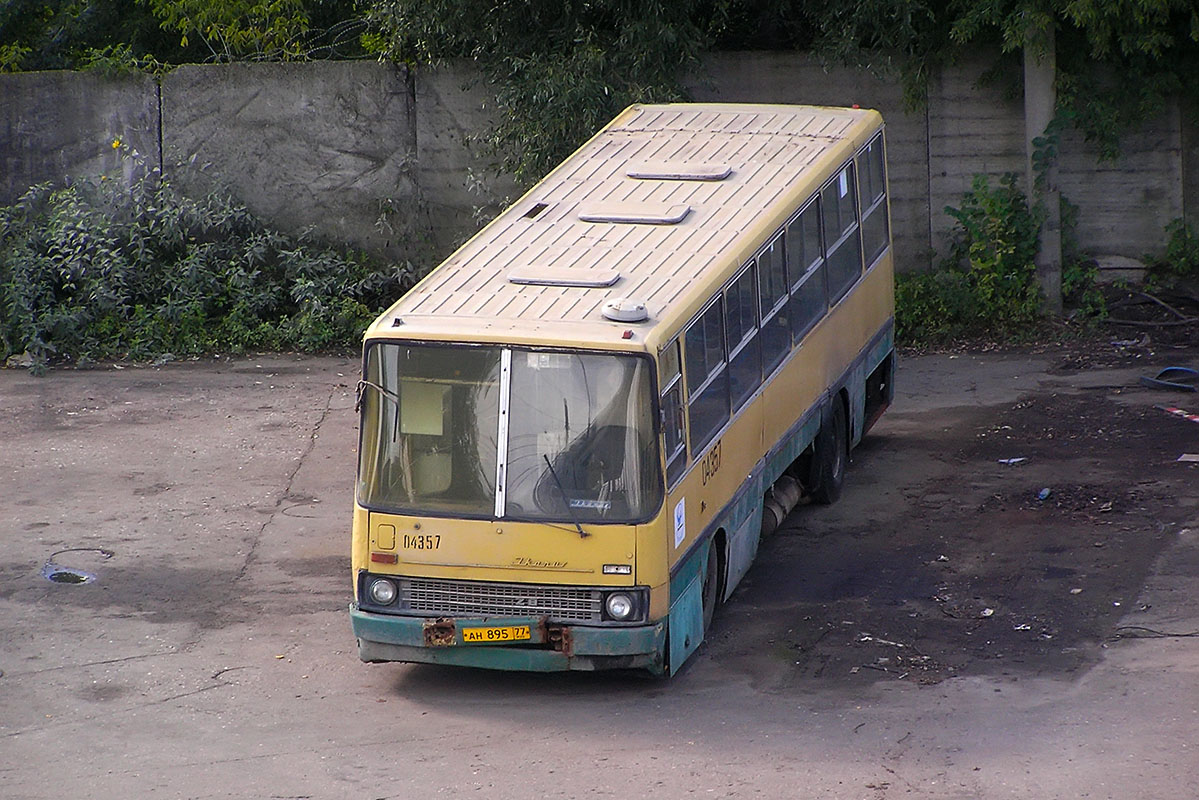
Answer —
577 442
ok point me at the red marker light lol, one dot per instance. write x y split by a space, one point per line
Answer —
627 335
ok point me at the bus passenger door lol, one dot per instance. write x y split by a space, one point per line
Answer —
686 623
743 544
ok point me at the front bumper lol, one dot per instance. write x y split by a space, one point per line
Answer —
553 648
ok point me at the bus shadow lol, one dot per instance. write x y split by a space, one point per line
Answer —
941 560
938 561
470 686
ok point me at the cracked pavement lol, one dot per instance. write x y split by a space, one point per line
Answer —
211 656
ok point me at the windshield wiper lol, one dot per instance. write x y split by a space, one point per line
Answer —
565 498
390 395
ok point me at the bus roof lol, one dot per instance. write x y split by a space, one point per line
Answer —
655 211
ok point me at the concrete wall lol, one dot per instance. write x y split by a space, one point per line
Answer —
1188 116
330 145
369 155
460 189
971 130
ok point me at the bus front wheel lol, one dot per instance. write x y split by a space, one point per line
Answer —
831 453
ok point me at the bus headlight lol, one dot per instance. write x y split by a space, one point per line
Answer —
382 591
620 606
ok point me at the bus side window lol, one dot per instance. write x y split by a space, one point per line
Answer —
873 195
707 376
806 265
772 294
671 379
840 207
741 322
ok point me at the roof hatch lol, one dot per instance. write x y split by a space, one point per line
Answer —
635 213
679 171
563 276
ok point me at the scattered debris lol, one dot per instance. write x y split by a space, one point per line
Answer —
17 361
1194 457
987 612
1019 460
1178 412
1076 591
865 637
1141 632
1044 494
1178 379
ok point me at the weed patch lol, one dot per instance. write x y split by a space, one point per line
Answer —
101 269
987 284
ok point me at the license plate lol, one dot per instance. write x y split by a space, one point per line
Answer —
508 633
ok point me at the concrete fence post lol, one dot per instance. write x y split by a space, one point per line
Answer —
1040 101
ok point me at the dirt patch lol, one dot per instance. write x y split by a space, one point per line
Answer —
946 561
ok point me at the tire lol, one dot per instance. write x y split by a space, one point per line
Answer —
831 457
711 586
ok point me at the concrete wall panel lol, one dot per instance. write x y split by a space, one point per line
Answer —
1125 205
329 145
1189 127
460 187
58 125
971 129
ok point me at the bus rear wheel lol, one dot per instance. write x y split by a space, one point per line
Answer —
711 586
831 454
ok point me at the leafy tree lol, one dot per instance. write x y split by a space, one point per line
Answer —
61 34
236 28
70 34
1118 61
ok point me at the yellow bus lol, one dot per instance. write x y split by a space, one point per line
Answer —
575 430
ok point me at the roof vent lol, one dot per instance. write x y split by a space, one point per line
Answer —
549 276
679 171
625 309
635 213
535 210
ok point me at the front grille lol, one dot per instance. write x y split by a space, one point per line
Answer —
462 598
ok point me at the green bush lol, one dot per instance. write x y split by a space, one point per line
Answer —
1181 259
1081 294
104 270
987 285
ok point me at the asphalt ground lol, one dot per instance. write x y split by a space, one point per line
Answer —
944 631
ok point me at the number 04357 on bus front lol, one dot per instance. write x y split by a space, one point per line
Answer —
576 430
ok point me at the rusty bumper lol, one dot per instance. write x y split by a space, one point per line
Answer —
551 648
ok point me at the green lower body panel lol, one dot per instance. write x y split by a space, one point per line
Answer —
384 637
